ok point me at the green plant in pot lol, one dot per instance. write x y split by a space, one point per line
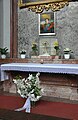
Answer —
67 53
23 53
3 52
34 48
56 47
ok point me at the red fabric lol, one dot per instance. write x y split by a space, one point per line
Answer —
58 109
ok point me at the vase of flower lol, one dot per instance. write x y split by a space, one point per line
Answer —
56 47
34 49
67 53
23 54
3 52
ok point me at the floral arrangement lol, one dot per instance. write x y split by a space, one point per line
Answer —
29 87
34 47
56 46
23 52
66 50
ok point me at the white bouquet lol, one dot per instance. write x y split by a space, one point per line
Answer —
29 87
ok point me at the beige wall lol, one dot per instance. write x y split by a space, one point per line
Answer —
1 23
5 23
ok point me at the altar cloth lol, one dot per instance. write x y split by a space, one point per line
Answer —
37 67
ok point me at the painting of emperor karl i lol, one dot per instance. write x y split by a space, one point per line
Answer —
46 24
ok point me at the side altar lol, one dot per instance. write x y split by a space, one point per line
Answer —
58 80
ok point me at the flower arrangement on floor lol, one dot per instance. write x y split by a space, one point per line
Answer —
29 87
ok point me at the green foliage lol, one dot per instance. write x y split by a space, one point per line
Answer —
3 50
18 77
67 51
23 52
34 47
56 47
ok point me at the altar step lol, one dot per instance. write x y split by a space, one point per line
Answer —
58 109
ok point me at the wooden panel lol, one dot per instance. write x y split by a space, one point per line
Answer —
51 78
13 28
59 79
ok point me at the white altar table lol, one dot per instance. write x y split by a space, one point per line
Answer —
37 67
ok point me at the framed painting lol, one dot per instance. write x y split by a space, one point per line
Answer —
27 3
47 23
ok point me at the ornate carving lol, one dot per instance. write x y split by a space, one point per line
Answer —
39 8
52 6
59 5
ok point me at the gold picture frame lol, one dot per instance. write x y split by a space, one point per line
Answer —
29 3
47 23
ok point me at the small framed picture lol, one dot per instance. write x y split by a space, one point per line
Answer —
47 23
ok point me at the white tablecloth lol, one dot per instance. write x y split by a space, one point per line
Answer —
37 67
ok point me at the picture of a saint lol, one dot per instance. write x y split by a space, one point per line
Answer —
47 24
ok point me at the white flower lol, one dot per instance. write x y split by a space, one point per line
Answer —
66 50
32 91
38 74
19 91
22 96
38 97
15 81
29 87
30 77
23 51
32 97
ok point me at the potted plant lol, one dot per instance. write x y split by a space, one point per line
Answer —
67 53
56 47
23 53
34 49
3 52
